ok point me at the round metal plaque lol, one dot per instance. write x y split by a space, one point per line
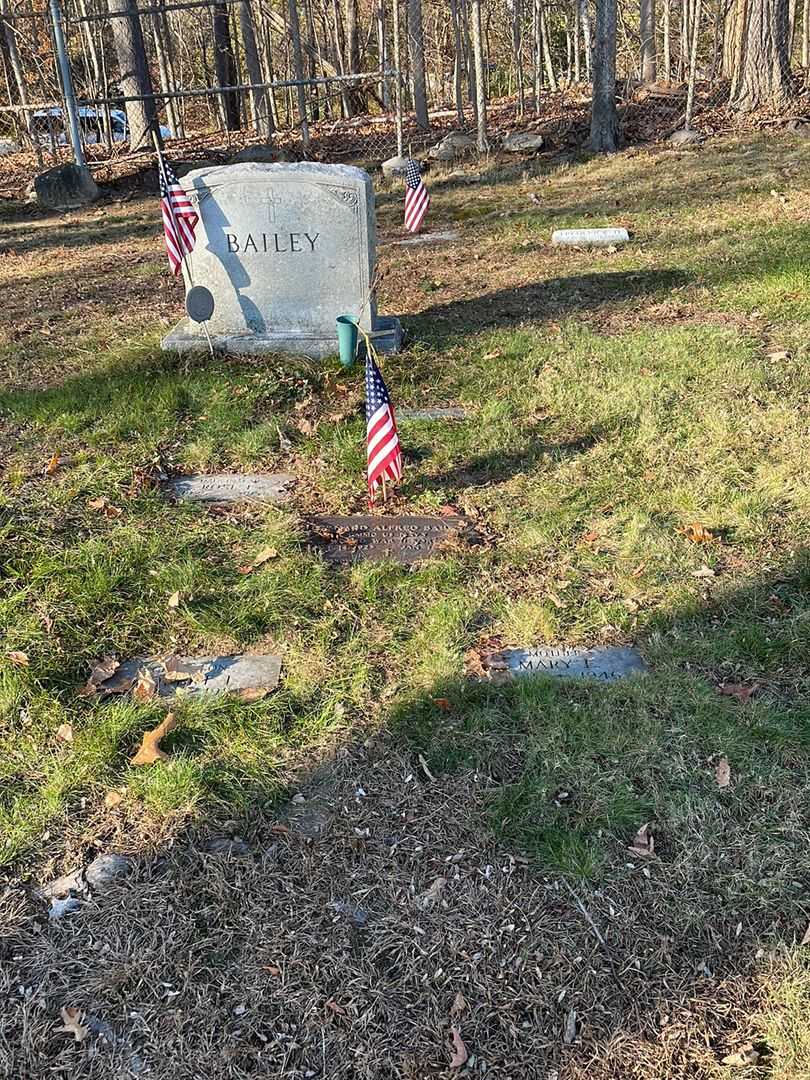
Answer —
199 303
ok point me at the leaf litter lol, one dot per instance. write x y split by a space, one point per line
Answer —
150 750
72 1023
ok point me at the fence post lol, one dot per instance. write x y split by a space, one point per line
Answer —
67 84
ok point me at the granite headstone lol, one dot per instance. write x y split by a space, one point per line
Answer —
284 249
608 663
405 539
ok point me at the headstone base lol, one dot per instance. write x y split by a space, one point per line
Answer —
188 336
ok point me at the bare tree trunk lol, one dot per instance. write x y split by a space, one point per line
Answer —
167 84
134 78
355 94
225 65
667 41
464 19
9 34
604 118
90 44
761 74
481 97
517 53
382 54
690 94
806 35
416 47
537 53
260 106
577 28
547 59
458 61
585 18
647 35
298 70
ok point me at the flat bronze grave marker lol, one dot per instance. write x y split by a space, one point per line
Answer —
231 488
408 539
192 677
607 663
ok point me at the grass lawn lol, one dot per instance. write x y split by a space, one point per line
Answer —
616 398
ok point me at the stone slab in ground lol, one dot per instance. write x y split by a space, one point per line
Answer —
192 677
65 187
284 249
445 237
231 487
589 237
361 538
607 663
438 412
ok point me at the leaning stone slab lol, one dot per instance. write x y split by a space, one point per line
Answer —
169 678
407 539
284 249
221 488
65 187
589 237
433 413
606 663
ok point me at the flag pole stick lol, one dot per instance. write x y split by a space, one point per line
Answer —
385 491
183 257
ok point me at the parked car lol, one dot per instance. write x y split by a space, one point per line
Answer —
50 123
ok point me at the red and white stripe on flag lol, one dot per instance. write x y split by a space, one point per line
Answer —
179 221
417 198
384 454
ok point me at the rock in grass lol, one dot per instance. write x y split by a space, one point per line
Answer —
8 146
589 237
106 870
686 138
517 142
66 187
395 166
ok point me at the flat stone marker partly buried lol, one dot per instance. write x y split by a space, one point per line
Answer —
607 663
407 540
231 488
284 249
446 237
193 677
589 237
432 413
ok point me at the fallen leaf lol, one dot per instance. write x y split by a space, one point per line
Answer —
99 673
704 572
492 355
113 799
459 1004
72 1021
590 536
173 601
806 939
65 733
442 703
53 465
251 693
643 843
333 1006
175 671
458 1051
145 687
271 969
570 1029
737 690
432 895
104 505
150 751
639 570
424 765
556 601
18 658
697 533
777 355
264 556
448 511
746 1055
722 773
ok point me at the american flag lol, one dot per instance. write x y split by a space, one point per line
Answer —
417 199
179 217
384 455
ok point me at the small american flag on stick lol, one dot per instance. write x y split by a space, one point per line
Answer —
179 217
384 454
417 199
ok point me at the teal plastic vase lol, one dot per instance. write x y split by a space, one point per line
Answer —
347 339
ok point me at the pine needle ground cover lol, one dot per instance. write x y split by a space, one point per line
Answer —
636 459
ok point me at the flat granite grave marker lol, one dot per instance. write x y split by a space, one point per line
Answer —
607 663
284 249
230 488
437 412
361 538
194 677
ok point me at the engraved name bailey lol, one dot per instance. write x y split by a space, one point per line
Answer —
271 243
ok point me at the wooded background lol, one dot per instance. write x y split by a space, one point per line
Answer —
225 60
